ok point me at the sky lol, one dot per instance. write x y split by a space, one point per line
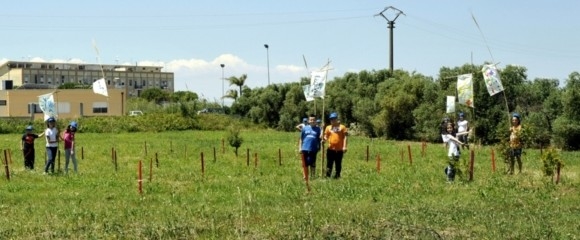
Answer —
193 37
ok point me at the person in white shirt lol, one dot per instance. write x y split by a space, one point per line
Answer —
52 137
462 130
453 153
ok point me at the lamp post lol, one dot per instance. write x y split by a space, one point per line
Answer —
223 93
268 61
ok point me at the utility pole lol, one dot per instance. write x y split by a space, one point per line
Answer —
267 61
391 25
223 79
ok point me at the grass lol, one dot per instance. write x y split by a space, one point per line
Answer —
232 200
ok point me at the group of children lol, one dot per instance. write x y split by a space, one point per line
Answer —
52 141
456 137
312 139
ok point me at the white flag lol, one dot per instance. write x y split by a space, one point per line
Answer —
306 90
492 80
317 83
465 89
100 87
47 105
450 104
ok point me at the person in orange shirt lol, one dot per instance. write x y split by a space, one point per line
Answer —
336 136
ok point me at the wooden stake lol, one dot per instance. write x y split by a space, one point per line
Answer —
202 165
410 156
472 159
140 179
378 163
150 169
248 157
156 160
492 160
82 153
279 157
367 156
6 168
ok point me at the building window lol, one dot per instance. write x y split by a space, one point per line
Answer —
100 107
34 107
2 102
63 107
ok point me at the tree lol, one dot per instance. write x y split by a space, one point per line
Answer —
238 81
234 138
233 94
154 94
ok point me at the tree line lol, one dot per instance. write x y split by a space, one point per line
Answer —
402 105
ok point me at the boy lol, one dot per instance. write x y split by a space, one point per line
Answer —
27 147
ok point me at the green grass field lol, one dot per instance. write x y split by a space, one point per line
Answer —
232 200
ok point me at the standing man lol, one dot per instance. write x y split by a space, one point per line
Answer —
335 134
310 144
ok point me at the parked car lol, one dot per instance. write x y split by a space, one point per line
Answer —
135 113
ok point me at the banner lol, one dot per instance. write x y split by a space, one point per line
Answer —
450 108
100 87
47 105
306 90
465 89
491 78
317 84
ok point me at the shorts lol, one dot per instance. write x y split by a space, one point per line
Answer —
516 152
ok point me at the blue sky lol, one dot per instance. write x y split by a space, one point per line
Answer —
193 37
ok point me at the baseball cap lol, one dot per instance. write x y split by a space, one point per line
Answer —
29 127
333 115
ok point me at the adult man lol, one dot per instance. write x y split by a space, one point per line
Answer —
336 135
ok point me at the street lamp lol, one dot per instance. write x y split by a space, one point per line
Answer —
268 61
223 93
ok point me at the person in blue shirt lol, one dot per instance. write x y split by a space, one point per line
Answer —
310 138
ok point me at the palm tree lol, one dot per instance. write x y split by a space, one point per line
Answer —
232 93
240 82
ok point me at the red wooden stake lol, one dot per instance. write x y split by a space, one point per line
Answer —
140 180
6 165
410 156
202 166
492 160
378 163
305 172
472 159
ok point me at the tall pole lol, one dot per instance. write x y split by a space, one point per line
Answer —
223 93
391 26
268 61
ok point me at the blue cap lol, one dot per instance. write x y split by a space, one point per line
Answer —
333 115
29 127
305 120
51 119
317 120
516 115
73 124
461 114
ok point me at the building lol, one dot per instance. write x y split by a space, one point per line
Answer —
23 82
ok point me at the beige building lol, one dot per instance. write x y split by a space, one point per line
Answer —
69 103
23 82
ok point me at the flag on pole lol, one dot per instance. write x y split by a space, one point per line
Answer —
450 107
47 105
465 89
491 78
100 87
306 90
317 84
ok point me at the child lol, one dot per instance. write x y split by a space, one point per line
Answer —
302 124
51 133
27 147
336 135
452 153
309 144
68 137
463 128
515 144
